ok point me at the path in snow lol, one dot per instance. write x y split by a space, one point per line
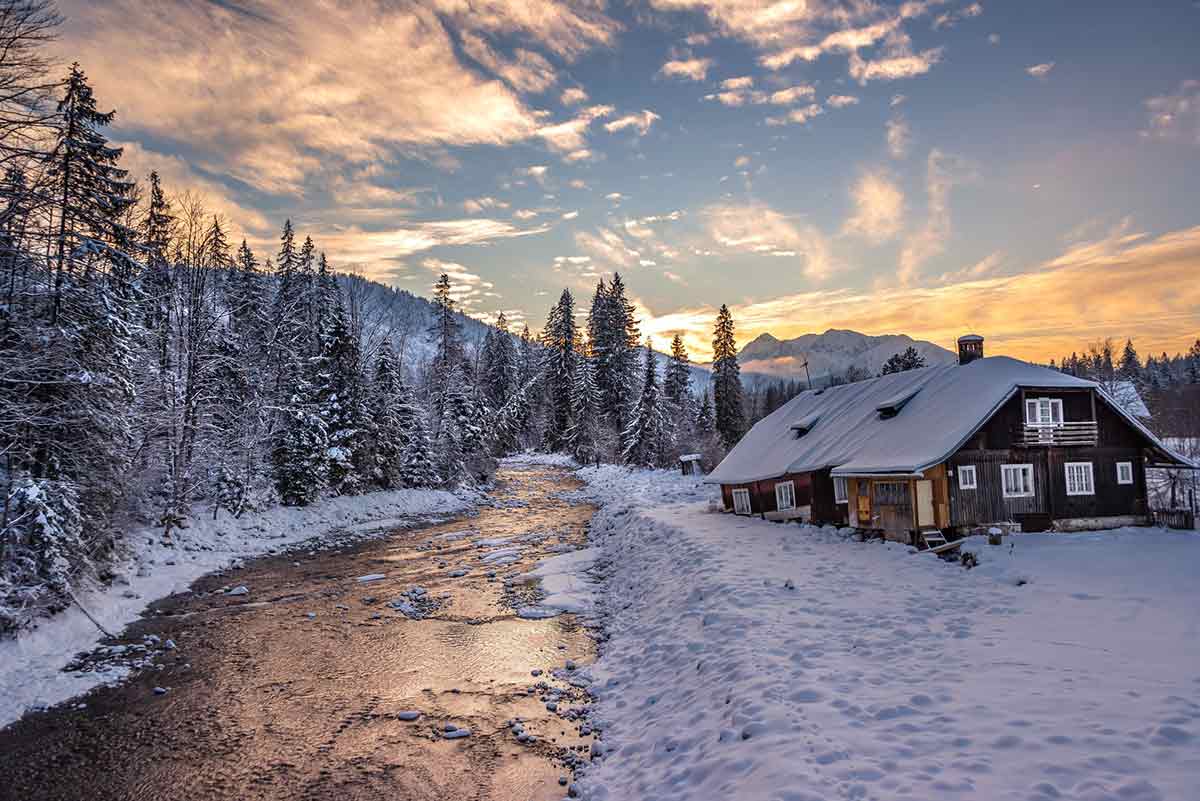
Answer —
395 669
889 675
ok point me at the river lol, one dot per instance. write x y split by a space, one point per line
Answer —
302 688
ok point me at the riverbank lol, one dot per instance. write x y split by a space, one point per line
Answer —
31 664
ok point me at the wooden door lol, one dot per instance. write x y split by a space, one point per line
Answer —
925 503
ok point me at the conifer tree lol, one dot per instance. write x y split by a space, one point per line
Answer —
645 438
560 340
499 364
1131 366
584 437
730 417
391 422
338 386
91 190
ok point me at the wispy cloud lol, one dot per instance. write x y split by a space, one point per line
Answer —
573 96
1040 70
693 69
878 207
638 121
841 101
1175 116
1104 287
899 137
951 18
942 172
757 228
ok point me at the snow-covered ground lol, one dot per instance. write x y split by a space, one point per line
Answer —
748 659
31 665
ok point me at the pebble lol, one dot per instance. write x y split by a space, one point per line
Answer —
408 714
457 733
160 690
241 589
310 615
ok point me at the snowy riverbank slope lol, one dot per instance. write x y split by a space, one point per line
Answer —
753 660
30 666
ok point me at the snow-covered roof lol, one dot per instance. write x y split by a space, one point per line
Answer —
690 457
939 409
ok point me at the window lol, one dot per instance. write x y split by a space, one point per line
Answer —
840 495
1044 412
966 477
785 495
1079 478
1017 480
741 501
1124 472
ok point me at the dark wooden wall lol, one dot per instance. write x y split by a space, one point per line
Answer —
987 503
997 433
812 489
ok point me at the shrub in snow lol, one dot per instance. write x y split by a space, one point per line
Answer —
42 545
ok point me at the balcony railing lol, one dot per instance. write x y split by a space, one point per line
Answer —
1064 435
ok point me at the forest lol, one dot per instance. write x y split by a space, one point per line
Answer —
154 369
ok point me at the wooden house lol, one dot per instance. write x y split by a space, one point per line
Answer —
944 450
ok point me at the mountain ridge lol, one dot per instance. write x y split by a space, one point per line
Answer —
831 353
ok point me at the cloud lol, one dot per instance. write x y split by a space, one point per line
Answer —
639 121
879 207
979 269
942 172
1175 116
526 71
841 101
572 135
378 251
606 245
178 176
951 18
1040 70
757 228
894 67
466 288
897 100
674 277
794 94
579 155
573 96
798 115
993 38
899 137
694 69
525 214
298 100
570 215
737 84
480 204
1101 288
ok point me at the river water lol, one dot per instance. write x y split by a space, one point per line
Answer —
298 689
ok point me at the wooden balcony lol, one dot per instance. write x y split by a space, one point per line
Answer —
1074 434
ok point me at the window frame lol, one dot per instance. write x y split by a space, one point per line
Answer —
791 485
841 490
1025 468
1090 472
743 493
963 470
1129 467
1051 404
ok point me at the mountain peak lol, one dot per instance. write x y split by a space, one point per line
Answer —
832 352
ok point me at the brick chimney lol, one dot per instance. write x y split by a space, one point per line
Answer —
970 348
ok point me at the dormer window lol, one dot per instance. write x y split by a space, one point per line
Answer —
805 424
1044 412
892 406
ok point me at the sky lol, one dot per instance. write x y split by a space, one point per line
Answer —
1029 171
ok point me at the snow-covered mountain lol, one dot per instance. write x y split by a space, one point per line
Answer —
831 353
